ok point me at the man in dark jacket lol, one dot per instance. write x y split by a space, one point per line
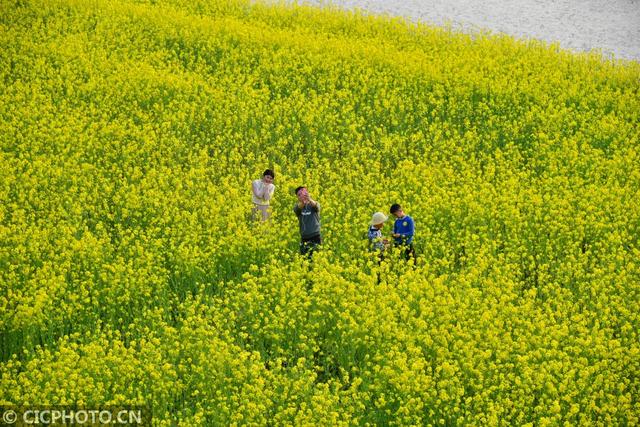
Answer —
308 212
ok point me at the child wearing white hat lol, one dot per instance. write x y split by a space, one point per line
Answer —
376 241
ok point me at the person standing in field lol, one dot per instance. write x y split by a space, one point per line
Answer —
403 231
262 192
377 243
308 212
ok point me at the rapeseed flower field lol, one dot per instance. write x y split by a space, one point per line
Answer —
131 274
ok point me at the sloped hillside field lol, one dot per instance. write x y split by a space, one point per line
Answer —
131 273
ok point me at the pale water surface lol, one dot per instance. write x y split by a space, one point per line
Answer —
581 25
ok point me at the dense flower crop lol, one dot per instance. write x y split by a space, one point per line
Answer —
130 273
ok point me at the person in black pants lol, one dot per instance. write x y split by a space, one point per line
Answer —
403 231
308 212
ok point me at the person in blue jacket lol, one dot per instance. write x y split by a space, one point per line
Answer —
403 231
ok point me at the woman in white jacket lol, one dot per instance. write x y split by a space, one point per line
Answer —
262 193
